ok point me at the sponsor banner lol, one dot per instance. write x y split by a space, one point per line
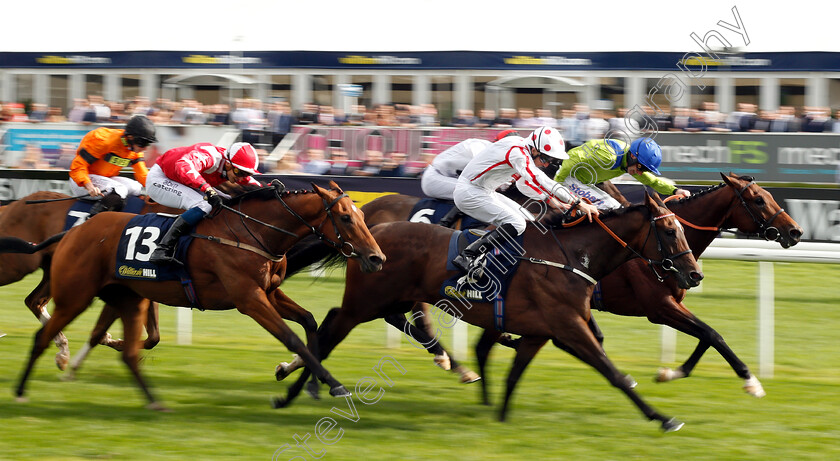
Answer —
816 210
783 61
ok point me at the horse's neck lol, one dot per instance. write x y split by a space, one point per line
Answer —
708 210
274 213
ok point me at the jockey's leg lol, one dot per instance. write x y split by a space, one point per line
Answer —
483 245
450 217
110 202
165 251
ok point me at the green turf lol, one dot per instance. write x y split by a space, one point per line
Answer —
219 388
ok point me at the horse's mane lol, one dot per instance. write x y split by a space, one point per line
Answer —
555 220
710 190
264 193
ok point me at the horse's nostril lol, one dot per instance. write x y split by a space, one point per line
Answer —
696 276
375 260
796 234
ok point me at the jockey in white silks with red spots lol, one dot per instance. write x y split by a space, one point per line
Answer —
185 177
510 158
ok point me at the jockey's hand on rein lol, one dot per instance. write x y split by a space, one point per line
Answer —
212 197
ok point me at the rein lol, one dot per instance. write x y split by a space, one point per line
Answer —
342 245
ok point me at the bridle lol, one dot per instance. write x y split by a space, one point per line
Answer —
765 228
666 263
343 246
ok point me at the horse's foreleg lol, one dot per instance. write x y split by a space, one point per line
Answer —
99 335
576 335
260 309
152 327
290 310
680 318
528 348
37 301
482 353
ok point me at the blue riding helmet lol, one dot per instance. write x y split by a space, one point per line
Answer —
649 154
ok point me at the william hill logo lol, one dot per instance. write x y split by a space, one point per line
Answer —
128 271
453 292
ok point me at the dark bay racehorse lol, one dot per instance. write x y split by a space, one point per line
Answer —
239 266
634 290
36 222
543 300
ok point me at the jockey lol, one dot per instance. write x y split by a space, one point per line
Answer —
180 177
599 160
510 158
101 155
441 176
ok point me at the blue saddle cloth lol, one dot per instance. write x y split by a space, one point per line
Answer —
431 210
500 265
80 210
137 242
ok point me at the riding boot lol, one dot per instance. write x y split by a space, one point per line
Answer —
110 202
450 217
487 242
165 251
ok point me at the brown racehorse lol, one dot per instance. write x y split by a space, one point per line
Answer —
37 222
634 290
239 266
543 301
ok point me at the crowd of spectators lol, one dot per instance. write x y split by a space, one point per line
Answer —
266 124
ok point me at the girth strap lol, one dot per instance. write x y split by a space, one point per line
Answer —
243 246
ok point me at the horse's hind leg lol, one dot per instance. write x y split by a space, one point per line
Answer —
37 301
63 314
678 316
99 335
525 352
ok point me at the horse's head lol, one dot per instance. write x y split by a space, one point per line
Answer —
760 214
345 225
668 249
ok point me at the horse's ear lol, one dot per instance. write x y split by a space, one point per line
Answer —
729 179
655 198
318 190
335 187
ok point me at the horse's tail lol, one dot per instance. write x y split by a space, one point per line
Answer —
311 251
16 245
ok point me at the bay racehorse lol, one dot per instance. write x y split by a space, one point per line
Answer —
634 290
543 301
237 265
36 218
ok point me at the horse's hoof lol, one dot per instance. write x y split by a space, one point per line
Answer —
753 387
61 360
312 389
470 377
672 425
630 381
281 371
157 406
69 376
666 374
443 362
22 399
279 402
339 391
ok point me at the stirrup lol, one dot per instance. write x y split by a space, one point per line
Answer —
463 262
168 257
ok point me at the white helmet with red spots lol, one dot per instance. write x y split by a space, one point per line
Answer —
243 157
547 141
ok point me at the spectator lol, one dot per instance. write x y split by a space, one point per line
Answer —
544 118
464 118
596 126
315 163
402 115
525 119
102 113
486 118
385 115
16 113
55 115
816 119
682 119
38 113
742 119
372 165
65 156
763 122
698 122
118 114
429 115
340 166
621 123
308 115
287 165
393 166
280 121
326 116
785 120
219 115
506 117
32 158
356 117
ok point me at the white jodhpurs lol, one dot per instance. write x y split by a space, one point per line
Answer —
121 186
490 206
173 194
437 185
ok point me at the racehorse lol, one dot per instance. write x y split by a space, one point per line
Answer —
542 302
36 222
236 264
634 290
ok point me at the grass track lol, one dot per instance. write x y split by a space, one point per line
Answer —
219 389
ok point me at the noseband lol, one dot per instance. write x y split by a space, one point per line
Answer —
765 228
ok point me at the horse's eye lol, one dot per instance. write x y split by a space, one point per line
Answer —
346 218
759 201
671 232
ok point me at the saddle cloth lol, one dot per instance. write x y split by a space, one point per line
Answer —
80 210
137 242
432 210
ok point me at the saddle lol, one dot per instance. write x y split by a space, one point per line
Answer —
80 211
432 211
